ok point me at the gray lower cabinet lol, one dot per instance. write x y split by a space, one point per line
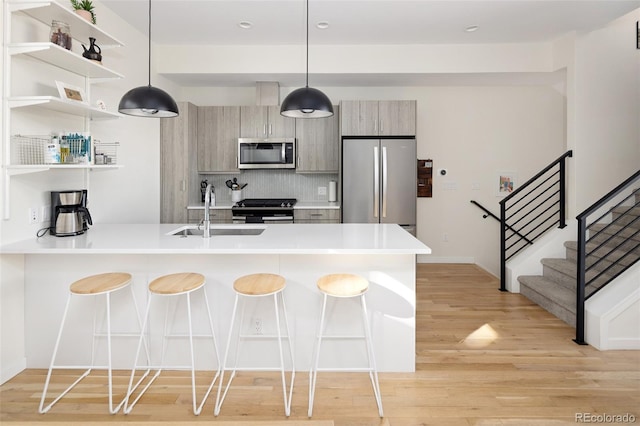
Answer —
178 177
316 215
378 118
215 215
218 133
265 122
318 145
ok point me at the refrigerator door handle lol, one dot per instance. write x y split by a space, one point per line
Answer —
376 181
384 181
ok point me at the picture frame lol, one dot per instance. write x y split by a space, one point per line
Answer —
505 182
69 92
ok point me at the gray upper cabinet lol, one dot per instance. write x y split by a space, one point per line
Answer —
218 133
378 118
178 137
265 122
318 144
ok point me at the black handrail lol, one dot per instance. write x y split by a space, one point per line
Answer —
488 213
623 250
534 212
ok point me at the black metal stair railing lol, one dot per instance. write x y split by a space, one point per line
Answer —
531 210
489 214
606 250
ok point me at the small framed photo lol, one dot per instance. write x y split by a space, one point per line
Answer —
69 92
505 183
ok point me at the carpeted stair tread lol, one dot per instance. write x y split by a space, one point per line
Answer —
564 273
556 299
622 257
610 229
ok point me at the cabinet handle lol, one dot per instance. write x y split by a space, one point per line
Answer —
270 130
381 127
183 185
264 129
317 214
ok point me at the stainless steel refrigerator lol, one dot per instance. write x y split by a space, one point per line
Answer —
379 181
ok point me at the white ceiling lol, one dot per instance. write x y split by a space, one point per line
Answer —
211 22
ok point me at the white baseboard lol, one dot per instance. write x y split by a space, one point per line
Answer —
10 371
425 258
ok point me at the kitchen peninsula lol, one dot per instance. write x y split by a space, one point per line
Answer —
385 254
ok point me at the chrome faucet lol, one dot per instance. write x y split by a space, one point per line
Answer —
207 206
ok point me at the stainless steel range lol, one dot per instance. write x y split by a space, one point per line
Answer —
264 210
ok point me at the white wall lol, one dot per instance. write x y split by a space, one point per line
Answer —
607 108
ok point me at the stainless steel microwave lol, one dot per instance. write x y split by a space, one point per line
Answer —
271 153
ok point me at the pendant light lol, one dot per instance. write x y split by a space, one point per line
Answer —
307 102
148 101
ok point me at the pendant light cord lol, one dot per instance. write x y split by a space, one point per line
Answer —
149 67
307 79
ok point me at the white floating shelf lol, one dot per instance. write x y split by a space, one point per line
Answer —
47 11
70 61
60 105
35 168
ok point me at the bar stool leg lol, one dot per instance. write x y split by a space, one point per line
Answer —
198 410
313 371
127 408
42 409
220 397
373 371
287 400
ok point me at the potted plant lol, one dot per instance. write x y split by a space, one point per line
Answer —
85 8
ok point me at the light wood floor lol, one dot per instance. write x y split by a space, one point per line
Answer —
483 358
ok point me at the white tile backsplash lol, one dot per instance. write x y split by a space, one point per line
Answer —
273 184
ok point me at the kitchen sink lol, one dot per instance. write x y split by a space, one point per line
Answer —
187 231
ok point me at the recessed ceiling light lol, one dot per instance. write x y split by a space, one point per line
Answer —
245 25
322 25
471 28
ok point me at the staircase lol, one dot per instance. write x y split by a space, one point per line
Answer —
555 289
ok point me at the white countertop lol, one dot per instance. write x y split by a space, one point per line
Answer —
299 205
276 239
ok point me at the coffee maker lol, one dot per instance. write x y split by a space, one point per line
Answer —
69 214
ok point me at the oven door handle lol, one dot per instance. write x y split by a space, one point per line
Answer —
277 219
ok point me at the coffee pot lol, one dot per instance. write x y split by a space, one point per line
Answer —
69 214
94 52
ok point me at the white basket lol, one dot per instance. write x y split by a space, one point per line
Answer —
106 152
28 149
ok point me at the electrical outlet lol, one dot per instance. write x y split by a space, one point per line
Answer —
445 237
33 215
322 190
257 324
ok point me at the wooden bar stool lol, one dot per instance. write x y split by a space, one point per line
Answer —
259 285
344 286
95 285
173 285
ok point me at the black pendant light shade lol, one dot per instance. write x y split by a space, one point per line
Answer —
148 101
306 102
